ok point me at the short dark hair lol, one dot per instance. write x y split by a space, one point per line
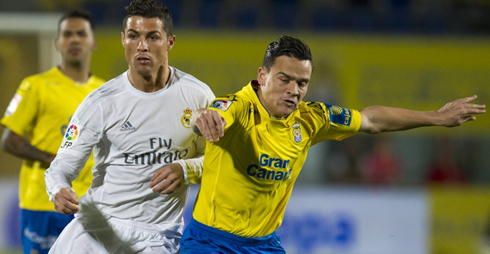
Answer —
77 14
150 9
286 46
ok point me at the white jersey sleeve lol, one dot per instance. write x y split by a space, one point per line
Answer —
192 169
82 134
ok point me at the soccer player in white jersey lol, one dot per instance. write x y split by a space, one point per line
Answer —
245 187
145 153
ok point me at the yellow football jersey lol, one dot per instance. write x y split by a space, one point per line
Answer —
41 110
248 175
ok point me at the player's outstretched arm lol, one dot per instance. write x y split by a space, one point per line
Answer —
65 201
208 123
377 119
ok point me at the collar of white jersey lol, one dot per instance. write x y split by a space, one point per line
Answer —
133 90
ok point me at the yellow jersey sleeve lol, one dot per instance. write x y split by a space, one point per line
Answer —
332 122
227 106
22 110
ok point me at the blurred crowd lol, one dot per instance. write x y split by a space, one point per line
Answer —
384 160
399 16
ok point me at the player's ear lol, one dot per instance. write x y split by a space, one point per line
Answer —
261 75
170 42
56 44
94 45
122 40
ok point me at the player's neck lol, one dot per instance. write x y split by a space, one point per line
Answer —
268 107
149 83
78 73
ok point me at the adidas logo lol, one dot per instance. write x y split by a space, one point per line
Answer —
127 127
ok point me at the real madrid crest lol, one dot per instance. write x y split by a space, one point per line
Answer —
297 132
186 118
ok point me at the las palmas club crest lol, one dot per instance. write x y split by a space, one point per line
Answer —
297 132
186 118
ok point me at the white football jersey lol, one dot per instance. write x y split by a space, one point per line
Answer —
132 134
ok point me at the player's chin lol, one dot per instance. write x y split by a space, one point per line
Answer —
73 59
143 70
290 107
287 111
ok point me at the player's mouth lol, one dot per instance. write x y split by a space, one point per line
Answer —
143 59
290 102
75 51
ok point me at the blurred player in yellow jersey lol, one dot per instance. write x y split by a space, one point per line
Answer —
258 141
35 123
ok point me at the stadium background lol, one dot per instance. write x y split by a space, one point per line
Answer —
406 53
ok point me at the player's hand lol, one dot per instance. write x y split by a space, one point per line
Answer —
209 123
459 111
66 202
167 179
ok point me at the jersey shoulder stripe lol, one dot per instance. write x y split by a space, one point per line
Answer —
111 89
191 84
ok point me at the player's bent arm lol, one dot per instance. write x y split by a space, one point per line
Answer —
167 179
192 169
377 119
65 201
170 177
69 161
208 123
18 146
56 179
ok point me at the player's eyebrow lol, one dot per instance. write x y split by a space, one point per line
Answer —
149 33
132 30
300 80
153 32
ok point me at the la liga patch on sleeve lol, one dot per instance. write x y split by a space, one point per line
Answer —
221 104
14 103
70 136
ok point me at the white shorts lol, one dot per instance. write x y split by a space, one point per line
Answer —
102 236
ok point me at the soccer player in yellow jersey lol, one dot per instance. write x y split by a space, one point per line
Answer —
36 120
258 142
